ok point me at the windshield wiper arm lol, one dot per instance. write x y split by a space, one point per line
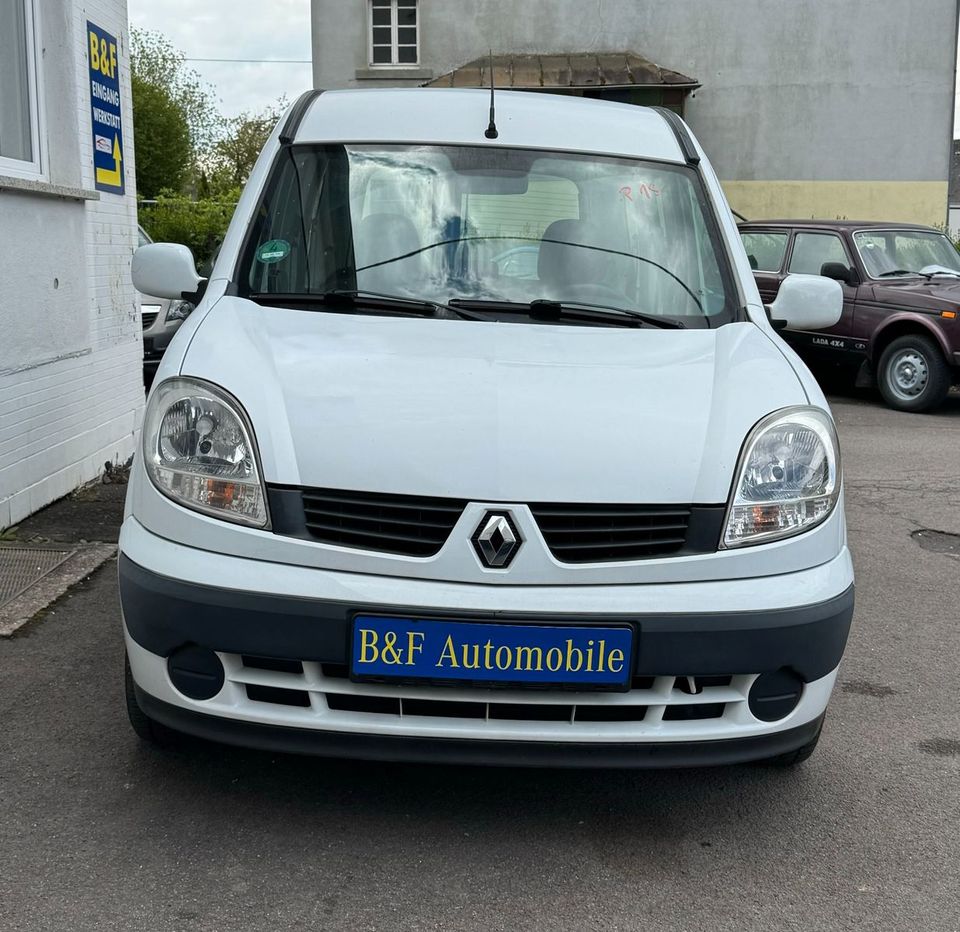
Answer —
554 310
534 239
351 298
664 323
893 272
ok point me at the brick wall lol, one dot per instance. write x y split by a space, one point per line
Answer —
71 390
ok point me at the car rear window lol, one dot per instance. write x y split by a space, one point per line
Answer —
811 251
765 249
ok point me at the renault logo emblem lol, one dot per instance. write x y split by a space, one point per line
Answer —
497 540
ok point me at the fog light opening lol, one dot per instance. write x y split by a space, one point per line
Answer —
774 696
196 672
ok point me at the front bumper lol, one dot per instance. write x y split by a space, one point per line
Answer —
294 740
164 614
697 657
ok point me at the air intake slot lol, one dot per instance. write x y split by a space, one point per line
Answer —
607 533
273 664
409 525
277 696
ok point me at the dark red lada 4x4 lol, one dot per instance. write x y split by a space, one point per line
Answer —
901 288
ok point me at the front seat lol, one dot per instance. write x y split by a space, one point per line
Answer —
383 238
574 272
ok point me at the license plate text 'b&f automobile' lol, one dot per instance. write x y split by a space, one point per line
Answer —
503 654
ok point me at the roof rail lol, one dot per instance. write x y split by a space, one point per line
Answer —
297 112
679 128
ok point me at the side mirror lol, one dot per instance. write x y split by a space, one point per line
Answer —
808 302
166 270
840 273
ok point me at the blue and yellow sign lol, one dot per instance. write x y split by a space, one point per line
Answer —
483 653
105 111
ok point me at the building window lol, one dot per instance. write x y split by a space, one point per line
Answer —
394 32
19 109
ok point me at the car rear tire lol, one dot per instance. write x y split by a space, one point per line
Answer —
913 375
147 730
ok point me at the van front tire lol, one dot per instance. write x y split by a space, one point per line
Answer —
146 729
912 374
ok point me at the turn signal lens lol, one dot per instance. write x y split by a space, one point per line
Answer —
788 480
199 451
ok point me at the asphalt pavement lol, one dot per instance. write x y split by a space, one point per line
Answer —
98 832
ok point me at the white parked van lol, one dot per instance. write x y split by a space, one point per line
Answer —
481 447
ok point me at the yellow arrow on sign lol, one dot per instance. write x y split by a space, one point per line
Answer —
112 177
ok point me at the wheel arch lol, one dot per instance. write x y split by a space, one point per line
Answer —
900 325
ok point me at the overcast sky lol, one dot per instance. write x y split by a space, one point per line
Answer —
237 29
247 29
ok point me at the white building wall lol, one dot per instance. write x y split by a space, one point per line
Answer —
71 385
953 221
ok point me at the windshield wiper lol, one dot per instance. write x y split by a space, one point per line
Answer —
534 239
893 272
555 310
349 299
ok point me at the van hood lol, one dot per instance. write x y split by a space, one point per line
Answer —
493 412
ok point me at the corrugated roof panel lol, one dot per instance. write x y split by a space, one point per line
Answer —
574 70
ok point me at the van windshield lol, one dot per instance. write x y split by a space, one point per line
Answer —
441 223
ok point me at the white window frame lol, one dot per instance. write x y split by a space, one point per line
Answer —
35 168
394 44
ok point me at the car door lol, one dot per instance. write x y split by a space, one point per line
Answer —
809 252
766 250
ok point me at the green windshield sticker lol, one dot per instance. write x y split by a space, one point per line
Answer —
275 250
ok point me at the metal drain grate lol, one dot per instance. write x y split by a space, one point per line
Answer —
21 567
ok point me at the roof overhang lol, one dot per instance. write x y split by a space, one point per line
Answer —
570 71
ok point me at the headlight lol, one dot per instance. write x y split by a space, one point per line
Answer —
199 450
788 478
178 310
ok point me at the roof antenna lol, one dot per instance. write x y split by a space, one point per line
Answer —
491 131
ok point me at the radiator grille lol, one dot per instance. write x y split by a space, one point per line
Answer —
148 317
419 526
603 533
404 524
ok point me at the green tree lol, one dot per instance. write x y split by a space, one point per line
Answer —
161 81
200 225
164 151
238 148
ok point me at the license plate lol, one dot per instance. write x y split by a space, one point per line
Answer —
479 653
